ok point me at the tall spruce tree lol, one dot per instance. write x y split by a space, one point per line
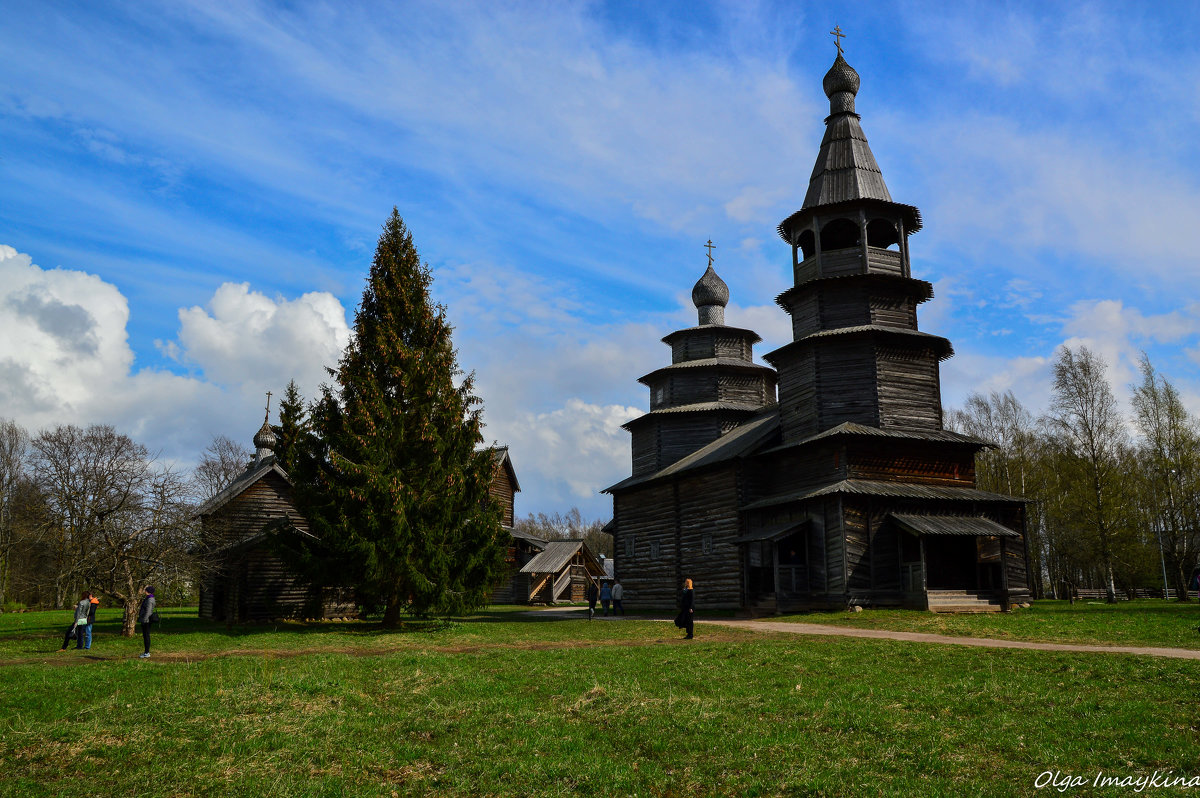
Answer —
391 477
293 425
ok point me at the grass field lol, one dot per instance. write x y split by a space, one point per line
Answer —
508 704
1146 622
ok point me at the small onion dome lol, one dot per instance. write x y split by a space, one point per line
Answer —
841 84
710 290
265 438
840 77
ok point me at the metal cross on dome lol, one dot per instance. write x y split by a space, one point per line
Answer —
837 35
710 246
268 404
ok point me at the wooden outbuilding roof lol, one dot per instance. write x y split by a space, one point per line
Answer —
558 554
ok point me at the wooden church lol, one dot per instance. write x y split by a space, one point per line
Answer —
827 481
250 582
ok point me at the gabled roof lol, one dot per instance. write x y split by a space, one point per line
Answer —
253 473
500 455
558 554
536 541
899 490
738 442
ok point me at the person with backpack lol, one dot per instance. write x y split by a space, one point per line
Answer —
147 618
93 603
78 622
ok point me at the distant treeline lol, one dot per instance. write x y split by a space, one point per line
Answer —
1114 498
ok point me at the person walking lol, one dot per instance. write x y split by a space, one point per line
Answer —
605 596
93 603
146 617
592 594
618 593
78 622
688 611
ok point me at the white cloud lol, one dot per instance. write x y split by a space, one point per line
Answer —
65 357
579 446
244 336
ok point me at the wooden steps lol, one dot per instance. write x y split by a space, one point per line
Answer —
964 601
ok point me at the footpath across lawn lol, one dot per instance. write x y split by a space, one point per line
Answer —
508 704
1146 622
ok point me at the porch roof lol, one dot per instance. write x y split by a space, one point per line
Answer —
773 533
953 525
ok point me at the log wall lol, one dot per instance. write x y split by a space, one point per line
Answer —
909 388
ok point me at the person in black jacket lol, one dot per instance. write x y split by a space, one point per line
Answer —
687 613
592 594
146 617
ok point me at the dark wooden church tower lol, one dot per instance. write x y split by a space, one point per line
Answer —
711 386
849 491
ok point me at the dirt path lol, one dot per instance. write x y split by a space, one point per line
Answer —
922 637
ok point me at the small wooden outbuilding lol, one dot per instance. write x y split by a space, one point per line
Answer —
562 571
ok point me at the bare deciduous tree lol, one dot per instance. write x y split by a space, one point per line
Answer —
223 460
568 526
122 520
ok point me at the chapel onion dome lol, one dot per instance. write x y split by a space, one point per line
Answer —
710 295
264 439
841 84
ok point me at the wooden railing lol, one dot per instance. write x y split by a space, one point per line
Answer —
563 582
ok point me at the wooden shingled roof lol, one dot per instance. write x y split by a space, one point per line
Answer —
942 525
558 554
253 473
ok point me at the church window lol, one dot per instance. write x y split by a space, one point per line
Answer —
655 549
840 234
882 233
808 244
629 545
706 544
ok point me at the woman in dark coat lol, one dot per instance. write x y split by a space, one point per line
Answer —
146 617
688 611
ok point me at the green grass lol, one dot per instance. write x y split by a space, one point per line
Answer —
507 704
1146 622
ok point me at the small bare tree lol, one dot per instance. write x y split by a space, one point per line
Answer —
223 460
122 520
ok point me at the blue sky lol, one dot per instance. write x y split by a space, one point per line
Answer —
190 194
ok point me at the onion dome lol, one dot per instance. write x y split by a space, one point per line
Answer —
841 83
710 295
264 439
